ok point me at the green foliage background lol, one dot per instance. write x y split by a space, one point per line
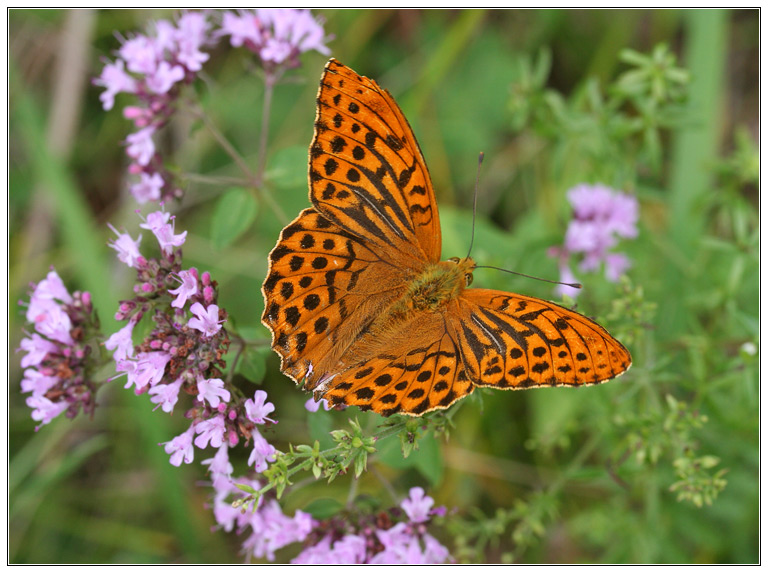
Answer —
552 475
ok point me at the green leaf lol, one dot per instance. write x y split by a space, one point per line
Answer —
288 168
323 508
252 364
233 215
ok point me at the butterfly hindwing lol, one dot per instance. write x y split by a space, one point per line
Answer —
511 341
417 371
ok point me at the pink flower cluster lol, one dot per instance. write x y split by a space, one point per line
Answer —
382 542
153 67
58 353
601 217
277 36
268 528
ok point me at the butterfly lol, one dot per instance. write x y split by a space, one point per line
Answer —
361 308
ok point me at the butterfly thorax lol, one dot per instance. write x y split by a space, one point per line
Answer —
438 284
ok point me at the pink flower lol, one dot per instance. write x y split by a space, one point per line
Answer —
180 447
262 453
187 289
36 382
157 222
212 390
164 77
56 325
148 188
313 406
140 145
257 409
166 396
140 54
417 506
150 368
210 430
116 80
44 410
45 297
36 348
601 217
220 468
127 248
205 320
121 342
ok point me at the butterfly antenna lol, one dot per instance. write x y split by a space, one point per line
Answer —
475 201
574 285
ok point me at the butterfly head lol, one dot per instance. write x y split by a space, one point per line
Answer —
465 268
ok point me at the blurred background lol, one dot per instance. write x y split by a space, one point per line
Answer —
631 471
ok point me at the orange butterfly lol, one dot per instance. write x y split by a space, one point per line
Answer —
362 309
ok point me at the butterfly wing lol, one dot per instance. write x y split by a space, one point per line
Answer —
416 370
511 341
367 173
323 288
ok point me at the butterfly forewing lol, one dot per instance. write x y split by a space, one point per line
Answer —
367 173
323 287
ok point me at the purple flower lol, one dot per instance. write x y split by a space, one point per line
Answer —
45 297
220 466
140 145
187 289
56 325
258 409
180 447
36 348
205 320
121 342
148 188
116 80
127 248
166 396
262 453
277 35
313 406
140 54
601 217
212 390
210 430
150 368
273 530
351 549
417 506
157 222
37 383
45 410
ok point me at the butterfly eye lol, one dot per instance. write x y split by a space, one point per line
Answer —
468 279
454 259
